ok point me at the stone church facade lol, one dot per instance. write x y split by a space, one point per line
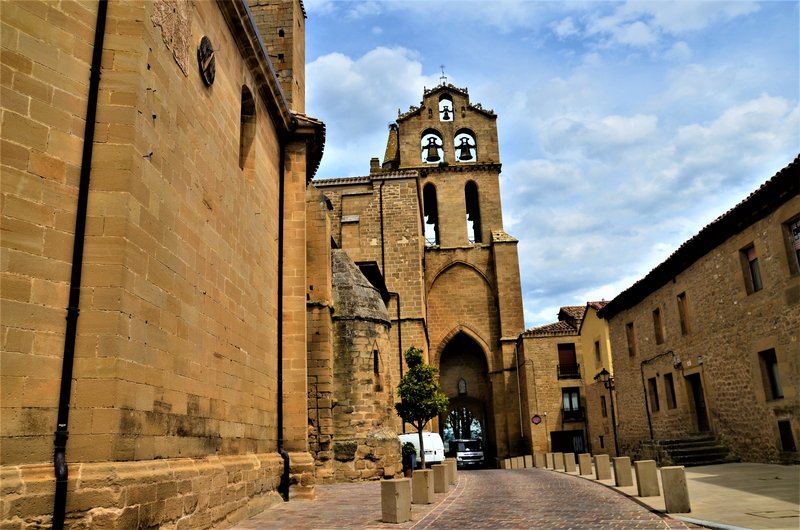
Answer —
177 385
428 220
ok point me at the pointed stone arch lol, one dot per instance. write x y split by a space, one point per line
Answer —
455 263
463 360
469 332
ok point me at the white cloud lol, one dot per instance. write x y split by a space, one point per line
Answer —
357 98
644 24
572 134
685 16
565 27
680 51
593 223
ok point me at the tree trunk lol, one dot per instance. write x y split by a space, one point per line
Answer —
421 445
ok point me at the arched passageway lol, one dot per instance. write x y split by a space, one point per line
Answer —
464 379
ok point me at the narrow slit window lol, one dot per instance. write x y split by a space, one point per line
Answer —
669 390
770 375
652 390
751 269
247 132
787 437
473 212
431 215
658 326
793 239
683 313
630 334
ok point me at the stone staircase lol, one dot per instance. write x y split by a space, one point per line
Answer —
696 450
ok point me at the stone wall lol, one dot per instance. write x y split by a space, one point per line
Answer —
178 329
727 328
543 396
180 493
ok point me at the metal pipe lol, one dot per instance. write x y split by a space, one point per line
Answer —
613 419
644 388
283 486
73 306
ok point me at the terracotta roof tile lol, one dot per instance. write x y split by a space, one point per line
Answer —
556 328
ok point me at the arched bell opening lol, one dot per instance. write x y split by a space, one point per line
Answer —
432 148
445 108
464 379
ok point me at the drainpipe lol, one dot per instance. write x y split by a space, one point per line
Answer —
644 387
519 390
73 306
283 487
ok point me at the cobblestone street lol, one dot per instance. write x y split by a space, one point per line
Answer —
521 498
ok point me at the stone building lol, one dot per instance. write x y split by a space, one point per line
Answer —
427 222
351 370
600 403
176 132
565 408
708 341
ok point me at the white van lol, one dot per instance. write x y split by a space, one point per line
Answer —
434 448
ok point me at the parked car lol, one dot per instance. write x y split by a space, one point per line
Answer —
434 447
467 452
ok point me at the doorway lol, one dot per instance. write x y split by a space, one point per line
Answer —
697 400
568 441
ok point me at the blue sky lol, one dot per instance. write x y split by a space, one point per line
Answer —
624 127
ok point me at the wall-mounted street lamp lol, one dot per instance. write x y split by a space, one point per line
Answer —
607 379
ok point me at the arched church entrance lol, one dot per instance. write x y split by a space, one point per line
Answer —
464 379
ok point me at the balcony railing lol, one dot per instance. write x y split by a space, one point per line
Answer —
573 415
569 371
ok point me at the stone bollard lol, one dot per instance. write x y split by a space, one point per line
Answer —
451 470
528 461
558 461
646 478
622 471
549 460
602 467
505 464
512 463
422 486
396 500
585 464
519 462
569 462
676 491
539 460
455 470
440 484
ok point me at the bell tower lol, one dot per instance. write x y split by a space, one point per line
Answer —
453 144
429 219
472 296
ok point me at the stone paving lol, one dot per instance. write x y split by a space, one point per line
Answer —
490 499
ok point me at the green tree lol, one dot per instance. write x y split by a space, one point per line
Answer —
421 397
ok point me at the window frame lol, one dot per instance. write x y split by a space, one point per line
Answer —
683 313
751 269
669 391
630 334
770 374
791 231
652 392
658 326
